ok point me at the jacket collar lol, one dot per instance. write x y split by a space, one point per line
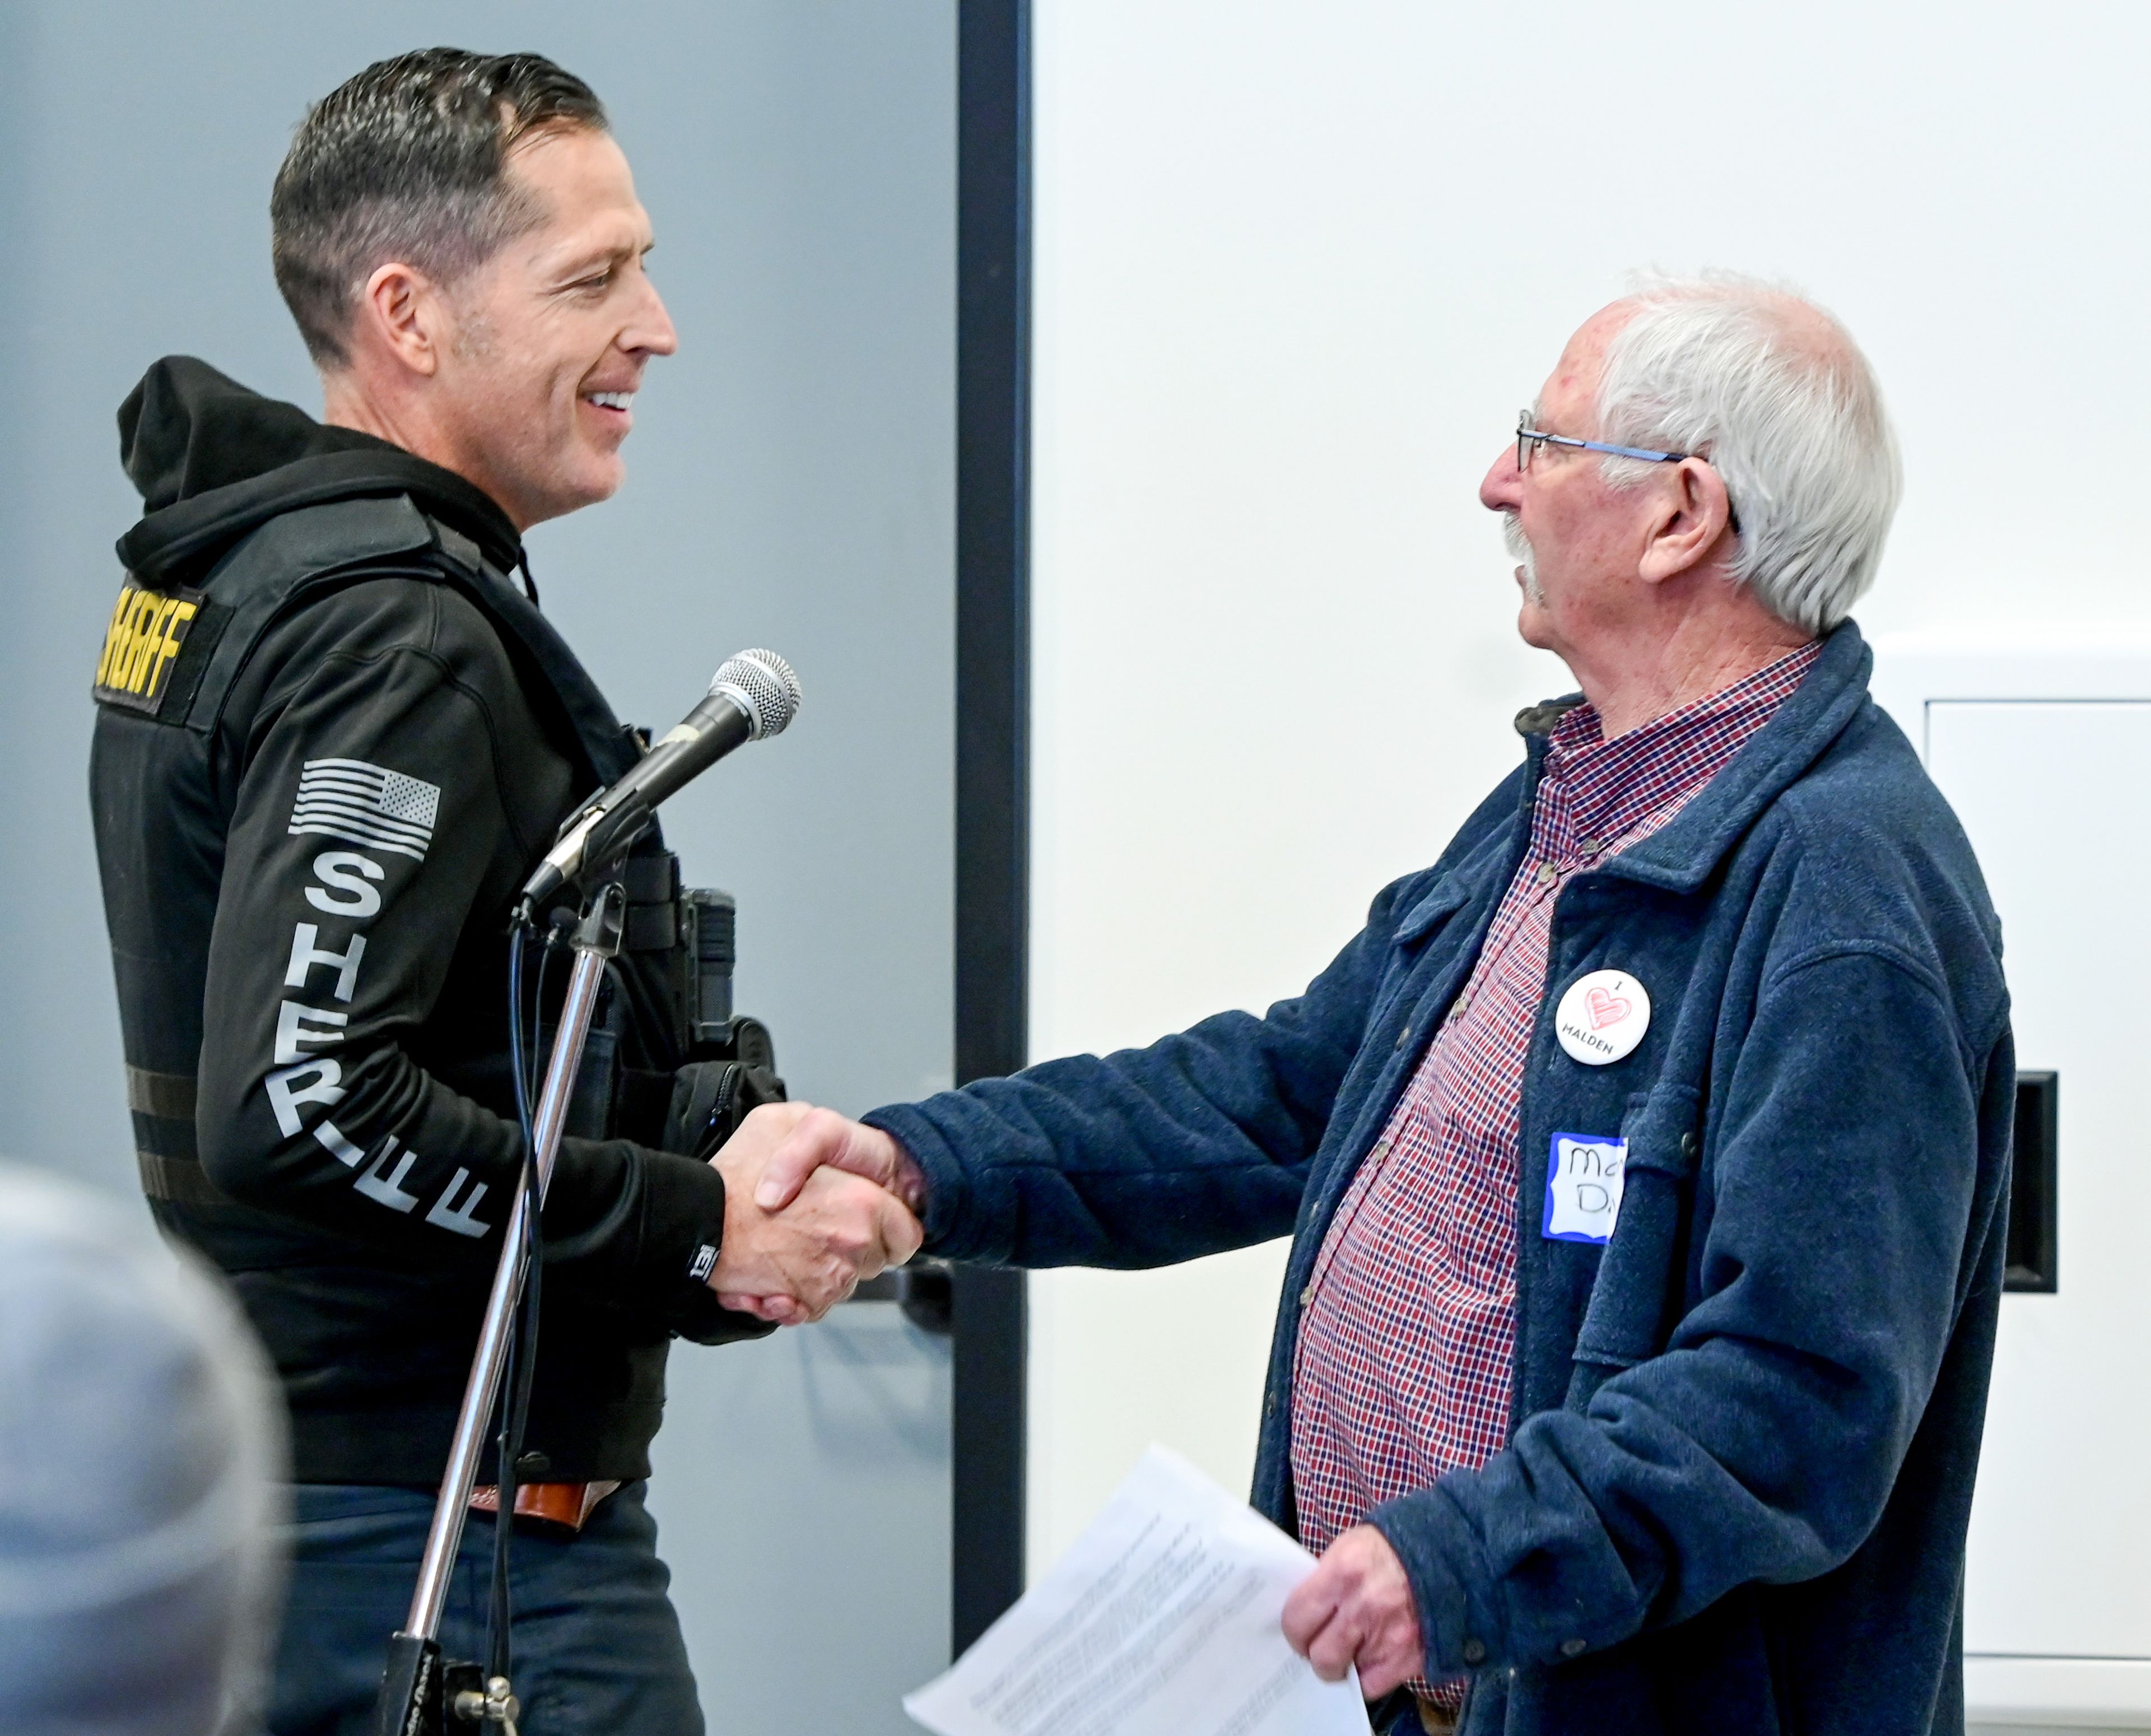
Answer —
1682 855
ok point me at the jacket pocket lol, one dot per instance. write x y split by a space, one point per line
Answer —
1633 1297
1442 900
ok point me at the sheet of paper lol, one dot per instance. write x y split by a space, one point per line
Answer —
1161 1620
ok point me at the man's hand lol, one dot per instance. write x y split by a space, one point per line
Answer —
821 1136
793 1265
1357 1608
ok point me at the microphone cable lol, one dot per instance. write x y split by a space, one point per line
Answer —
521 1367
754 694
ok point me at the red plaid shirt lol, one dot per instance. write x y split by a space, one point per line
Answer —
1401 1371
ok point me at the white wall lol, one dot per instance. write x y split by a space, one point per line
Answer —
1296 267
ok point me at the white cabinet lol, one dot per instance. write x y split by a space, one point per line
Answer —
2045 753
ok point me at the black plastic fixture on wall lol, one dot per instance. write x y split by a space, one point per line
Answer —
993 716
2033 1258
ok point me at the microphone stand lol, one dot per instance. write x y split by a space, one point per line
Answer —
419 1692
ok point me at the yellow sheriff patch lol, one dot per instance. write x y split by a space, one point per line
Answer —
143 642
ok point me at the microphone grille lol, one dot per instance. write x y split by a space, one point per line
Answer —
765 687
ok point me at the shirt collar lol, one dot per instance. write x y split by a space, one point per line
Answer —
1595 792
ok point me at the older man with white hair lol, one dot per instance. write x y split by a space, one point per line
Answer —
1644 1157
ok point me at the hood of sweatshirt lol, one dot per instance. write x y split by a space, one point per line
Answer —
214 460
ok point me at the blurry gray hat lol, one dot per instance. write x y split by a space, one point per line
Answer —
141 1465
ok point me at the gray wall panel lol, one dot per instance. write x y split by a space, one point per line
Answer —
791 484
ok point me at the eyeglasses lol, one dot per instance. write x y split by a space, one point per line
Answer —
1529 439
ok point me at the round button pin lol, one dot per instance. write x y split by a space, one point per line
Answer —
1602 1017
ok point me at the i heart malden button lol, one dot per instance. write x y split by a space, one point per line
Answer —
1602 1017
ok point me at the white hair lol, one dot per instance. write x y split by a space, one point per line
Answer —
1775 394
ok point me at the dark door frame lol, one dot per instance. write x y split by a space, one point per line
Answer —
993 756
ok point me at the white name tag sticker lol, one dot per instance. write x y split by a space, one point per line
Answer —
1583 1188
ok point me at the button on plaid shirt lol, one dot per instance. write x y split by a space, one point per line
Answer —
1401 1371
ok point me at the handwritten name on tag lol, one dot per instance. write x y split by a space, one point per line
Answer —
1583 1187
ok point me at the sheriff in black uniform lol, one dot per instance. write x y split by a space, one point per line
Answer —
333 736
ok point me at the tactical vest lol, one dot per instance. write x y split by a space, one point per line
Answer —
172 657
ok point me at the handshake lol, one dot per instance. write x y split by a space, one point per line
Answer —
814 1203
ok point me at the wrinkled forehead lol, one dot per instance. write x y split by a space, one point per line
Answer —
1569 398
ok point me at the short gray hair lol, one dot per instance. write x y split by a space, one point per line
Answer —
1775 392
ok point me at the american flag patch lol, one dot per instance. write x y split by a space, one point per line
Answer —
369 805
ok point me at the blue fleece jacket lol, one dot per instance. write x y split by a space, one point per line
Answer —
1742 1433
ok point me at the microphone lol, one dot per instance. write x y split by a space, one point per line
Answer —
752 695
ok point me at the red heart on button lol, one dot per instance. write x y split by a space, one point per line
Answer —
1606 1008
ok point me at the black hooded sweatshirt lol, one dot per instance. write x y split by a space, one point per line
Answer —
332 738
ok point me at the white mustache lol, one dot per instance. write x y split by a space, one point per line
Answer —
1519 545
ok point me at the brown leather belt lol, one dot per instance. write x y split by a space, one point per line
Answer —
1435 1718
566 1505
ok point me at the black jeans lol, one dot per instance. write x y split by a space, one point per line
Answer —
597 1645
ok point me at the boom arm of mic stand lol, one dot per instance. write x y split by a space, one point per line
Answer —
409 1694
